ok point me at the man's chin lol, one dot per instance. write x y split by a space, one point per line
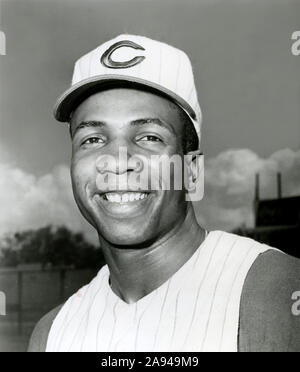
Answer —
125 236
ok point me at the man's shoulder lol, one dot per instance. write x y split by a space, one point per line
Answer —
274 272
267 322
39 337
272 266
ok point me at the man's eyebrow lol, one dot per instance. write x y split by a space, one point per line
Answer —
137 122
156 121
88 124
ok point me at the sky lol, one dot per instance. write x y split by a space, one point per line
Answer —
248 87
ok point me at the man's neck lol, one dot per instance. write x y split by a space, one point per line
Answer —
134 273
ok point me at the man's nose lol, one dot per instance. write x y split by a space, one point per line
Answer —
117 159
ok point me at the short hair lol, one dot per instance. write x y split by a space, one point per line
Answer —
190 140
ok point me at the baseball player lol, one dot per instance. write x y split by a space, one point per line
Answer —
168 285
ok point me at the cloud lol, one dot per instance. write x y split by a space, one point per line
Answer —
230 184
29 202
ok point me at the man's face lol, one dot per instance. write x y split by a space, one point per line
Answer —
144 124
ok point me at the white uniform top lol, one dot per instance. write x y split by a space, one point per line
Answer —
197 309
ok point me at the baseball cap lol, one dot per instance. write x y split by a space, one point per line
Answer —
132 60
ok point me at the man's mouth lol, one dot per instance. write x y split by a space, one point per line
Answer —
124 203
124 197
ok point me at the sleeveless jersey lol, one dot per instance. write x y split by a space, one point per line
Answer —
197 309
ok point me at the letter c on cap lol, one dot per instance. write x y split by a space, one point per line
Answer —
108 62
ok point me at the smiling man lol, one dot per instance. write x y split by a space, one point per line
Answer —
169 285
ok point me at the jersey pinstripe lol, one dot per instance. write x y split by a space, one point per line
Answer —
197 309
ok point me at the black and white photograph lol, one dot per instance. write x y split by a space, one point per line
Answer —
149 178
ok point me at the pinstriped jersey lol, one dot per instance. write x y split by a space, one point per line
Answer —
197 309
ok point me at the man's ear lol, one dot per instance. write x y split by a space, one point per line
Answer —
194 175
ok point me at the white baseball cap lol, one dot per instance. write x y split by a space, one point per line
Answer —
133 60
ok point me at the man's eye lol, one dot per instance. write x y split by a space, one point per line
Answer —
150 138
92 140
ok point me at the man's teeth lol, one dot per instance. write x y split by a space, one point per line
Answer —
124 198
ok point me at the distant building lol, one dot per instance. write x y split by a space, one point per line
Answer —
277 221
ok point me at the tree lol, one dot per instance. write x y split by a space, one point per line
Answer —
48 245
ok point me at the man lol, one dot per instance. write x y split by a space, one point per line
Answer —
168 285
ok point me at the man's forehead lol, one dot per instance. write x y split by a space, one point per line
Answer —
124 104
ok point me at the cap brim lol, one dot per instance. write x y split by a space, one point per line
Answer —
77 93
